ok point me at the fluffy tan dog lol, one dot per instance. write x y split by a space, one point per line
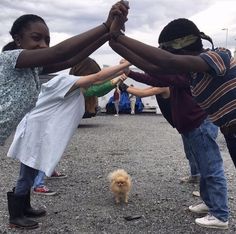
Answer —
120 185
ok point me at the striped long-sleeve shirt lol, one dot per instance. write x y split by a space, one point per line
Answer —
215 91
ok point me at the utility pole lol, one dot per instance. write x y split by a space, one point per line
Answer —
226 39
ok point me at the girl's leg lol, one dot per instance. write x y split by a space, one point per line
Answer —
39 185
19 201
39 180
117 107
132 105
25 180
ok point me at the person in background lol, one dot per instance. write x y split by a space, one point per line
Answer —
132 99
116 100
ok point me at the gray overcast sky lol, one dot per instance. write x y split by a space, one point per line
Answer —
66 18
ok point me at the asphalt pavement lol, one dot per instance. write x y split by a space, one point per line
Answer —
152 153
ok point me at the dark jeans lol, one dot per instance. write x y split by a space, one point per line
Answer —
25 180
231 144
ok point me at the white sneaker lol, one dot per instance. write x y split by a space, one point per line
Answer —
211 221
201 208
196 193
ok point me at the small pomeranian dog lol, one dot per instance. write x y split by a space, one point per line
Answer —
120 185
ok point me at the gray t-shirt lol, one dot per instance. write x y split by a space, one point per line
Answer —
19 89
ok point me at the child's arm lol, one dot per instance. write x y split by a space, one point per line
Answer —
102 75
84 53
146 92
103 88
71 47
99 90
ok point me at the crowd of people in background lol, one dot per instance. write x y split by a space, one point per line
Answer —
194 87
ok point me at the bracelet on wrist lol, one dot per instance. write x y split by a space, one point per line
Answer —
116 34
105 25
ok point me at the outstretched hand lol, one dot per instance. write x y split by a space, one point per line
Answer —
123 77
119 79
120 9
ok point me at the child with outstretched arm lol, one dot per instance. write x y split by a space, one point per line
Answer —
43 134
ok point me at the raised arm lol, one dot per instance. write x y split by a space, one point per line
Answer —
146 92
157 59
72 46
134 58
84 53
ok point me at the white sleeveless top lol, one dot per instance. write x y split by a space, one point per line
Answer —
43 134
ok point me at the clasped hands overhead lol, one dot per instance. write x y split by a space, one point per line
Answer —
117 18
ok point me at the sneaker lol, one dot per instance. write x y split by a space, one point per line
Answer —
211 221
57 175
196 193
190 179
201 208
116 115
43 191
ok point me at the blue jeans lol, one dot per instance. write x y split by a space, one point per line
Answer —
39 180
25 180
213 186
194 170
231 144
